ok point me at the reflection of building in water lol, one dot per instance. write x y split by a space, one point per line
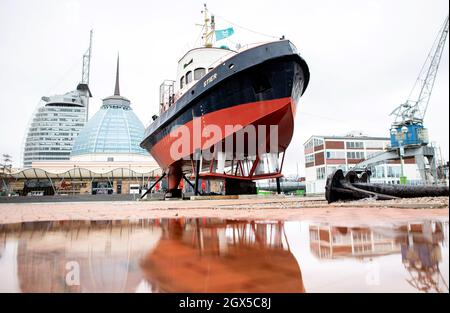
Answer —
330 242
419 245
154 255
201 255
108 254
421 255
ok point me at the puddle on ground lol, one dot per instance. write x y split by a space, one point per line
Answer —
213 255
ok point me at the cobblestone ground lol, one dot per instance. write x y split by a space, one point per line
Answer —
367 212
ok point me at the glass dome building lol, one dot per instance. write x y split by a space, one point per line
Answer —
113 133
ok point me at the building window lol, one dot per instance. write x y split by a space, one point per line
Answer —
110 159
318 142
309 158
393 171
335 154
320 173
188 77
199 73
356 155
309 144
378 171
355 145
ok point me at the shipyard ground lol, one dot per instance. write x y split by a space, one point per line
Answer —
362 212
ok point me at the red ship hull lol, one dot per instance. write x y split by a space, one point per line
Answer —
262 90
278 112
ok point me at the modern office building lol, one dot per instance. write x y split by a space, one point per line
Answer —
324 154
57 121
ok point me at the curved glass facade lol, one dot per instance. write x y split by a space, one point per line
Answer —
113 129
54 127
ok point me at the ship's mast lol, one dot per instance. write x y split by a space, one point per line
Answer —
209 27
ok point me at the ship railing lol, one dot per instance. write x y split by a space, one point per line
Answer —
239 50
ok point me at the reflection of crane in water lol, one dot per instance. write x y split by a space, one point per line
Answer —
421 254
420 246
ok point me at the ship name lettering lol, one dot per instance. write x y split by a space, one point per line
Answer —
210 80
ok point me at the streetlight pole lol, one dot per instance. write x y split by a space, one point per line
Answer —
7 164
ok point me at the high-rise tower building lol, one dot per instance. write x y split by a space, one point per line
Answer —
57 121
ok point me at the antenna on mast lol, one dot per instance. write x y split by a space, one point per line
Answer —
83 86
209 27
87 62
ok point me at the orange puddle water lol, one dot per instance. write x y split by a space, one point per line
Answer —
216 255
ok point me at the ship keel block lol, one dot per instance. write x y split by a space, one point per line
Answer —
234 186
173 181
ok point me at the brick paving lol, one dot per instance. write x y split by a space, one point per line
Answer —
277 208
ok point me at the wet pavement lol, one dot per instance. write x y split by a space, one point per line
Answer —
220 255
253 208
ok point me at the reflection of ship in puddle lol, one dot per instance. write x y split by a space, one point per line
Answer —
108 254
418 243
2 246
201 255
184 255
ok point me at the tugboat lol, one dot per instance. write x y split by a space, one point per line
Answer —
247 97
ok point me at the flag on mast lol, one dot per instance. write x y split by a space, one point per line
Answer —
224 33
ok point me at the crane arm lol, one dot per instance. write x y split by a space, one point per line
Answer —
414 109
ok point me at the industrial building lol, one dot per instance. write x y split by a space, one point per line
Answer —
324 154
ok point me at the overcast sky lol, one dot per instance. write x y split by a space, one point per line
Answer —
364 57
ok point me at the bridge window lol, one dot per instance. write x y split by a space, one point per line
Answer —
182 82
188 77
199 73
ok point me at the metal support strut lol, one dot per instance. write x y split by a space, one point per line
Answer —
278 186
153 185
197 174
188 181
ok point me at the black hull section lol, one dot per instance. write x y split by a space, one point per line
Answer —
268 72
